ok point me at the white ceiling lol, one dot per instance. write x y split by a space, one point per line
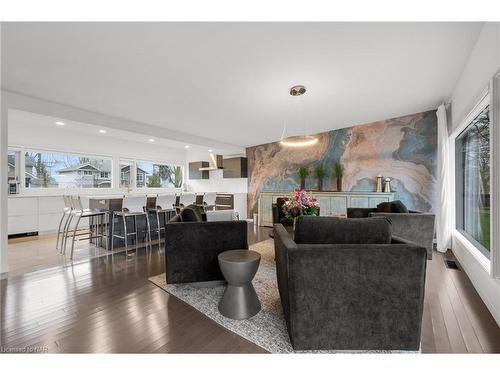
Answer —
229 81
52 125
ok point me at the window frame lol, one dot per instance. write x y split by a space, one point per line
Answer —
115 173
170 188
481 104
41 190
17 167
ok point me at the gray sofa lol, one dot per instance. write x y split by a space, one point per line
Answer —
348 284
417 227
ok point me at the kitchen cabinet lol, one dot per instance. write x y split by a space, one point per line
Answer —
331 203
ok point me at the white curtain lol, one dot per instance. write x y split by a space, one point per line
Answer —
443 230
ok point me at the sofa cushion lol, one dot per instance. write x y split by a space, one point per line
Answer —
191 213
332 230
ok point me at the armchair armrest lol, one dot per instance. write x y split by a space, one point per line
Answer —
283 244
415 227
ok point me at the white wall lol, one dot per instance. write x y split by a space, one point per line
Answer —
219 184
3 183
3 187
483 63
477 269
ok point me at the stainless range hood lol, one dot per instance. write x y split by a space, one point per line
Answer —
215 162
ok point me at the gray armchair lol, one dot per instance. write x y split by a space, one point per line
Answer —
191 248
417 227
347 284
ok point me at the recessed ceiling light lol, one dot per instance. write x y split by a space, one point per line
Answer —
60 123
102 131
210 150
187 146
151 140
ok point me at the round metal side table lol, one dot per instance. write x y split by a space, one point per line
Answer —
240 300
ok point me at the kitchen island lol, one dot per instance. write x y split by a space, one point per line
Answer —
35 214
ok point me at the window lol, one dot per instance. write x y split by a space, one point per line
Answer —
12 165
473 181
58 170
126 167
155 175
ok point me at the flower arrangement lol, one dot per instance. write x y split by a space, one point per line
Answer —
300 203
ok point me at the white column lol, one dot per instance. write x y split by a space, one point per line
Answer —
115 172
4 267
443 229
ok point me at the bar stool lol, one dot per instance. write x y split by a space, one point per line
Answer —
199 200
66 215
165 204
177 204
186 199
132 206
78 212
209 201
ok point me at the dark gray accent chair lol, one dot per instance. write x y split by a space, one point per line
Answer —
191 248
417 227
348 284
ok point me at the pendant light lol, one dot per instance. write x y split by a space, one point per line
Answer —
297 140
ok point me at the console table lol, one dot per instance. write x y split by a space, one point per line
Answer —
330 202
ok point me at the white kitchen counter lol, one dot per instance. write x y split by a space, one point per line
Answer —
42 212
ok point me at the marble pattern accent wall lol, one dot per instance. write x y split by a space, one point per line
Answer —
403 149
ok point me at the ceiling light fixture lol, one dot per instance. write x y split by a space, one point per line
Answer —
187 146
60 123
151 140
210 150
102 131
298 140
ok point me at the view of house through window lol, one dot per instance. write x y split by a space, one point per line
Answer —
126 173
473 181
154 175
13 165
57 170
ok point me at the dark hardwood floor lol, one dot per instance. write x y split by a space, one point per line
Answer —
107 305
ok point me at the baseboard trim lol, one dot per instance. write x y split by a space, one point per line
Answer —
474 277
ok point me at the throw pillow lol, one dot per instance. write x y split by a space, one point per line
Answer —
384 207
191 213
398 207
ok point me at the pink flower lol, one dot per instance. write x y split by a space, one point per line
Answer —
300 203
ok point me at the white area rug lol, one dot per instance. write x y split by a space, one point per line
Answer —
267 328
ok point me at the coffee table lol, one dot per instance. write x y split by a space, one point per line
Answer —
239 267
